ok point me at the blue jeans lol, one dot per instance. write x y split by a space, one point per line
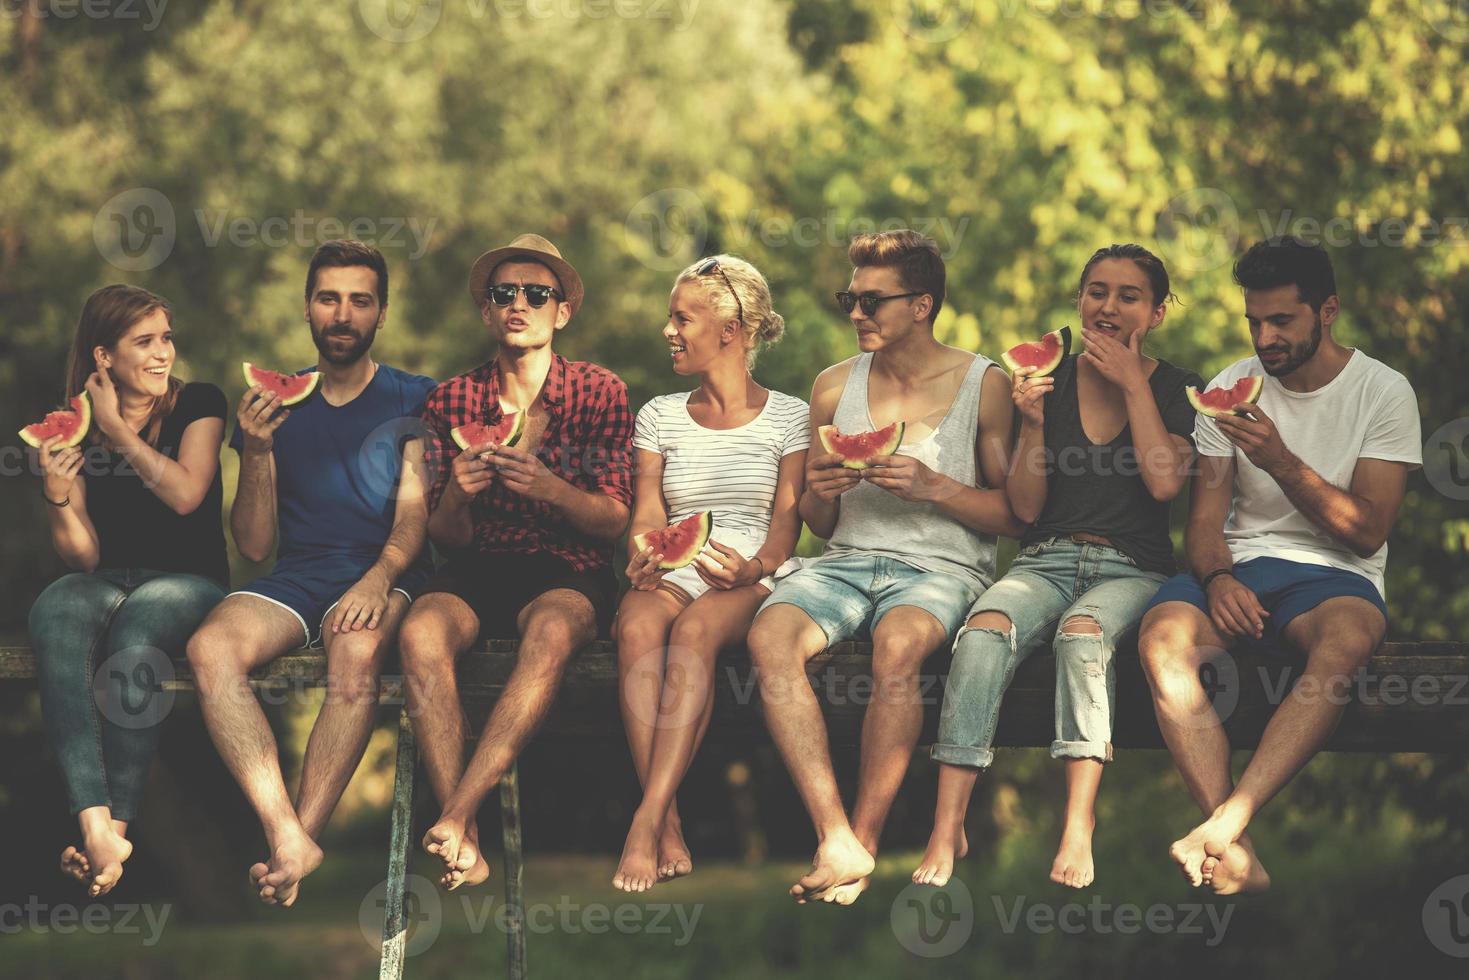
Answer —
102 640
1048 583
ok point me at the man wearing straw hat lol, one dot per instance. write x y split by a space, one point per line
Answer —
527 529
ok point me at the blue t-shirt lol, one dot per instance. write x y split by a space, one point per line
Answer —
337 467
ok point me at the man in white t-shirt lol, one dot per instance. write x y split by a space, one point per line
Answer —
1287 532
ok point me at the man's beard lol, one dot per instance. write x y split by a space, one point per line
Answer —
1297 355
350 354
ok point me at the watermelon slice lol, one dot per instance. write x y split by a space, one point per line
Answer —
71 426
856 451
1226 401
1039 359
507 433
292 388
679 543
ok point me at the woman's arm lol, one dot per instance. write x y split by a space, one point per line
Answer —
785 516
1025 484
72 533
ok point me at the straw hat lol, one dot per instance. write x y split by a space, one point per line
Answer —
533 248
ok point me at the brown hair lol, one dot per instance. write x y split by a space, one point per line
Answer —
344 253
109 313
915 256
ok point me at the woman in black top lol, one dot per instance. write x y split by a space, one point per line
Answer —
135 510
1105 444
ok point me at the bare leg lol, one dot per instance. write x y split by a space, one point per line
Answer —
1338 636
1176 640
714 620
552 627
437 630
242 633
641 631
901 642
1074 866
342 729
782 639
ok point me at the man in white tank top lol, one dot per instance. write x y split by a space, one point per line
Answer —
912 602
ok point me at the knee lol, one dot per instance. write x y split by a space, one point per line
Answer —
1081 626
990 620
771 648
899 654
635 636
355 655
552 633
1161 642
1342 652
62 600
691 633
423 643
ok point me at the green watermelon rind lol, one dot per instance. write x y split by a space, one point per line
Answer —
827 433
1196 399
1063 338
253 376
672 562
80 405
464 442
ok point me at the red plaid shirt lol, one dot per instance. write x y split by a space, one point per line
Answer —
587 442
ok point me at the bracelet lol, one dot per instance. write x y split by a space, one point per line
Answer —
762 568
1215 574
65 501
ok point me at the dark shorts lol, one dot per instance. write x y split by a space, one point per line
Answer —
309 587
498 586
1285 588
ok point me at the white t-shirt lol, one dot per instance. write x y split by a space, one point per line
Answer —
732 472
1367 410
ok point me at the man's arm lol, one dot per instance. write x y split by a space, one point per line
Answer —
826 479
1360 517
253 513
365 603
1234 609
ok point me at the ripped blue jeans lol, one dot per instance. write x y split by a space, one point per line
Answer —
1048 584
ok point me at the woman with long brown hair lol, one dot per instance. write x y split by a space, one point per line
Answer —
134 511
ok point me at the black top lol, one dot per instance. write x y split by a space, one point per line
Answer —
1099 489
138 530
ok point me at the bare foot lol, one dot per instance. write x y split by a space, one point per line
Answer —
1073 865
443 841
674 859
937 865
638 870
279 879
470 867
74 863
106 850
840 860
1237 869
1191 851
847 894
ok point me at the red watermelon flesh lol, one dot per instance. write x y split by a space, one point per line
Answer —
1040 358
507 433
678 543
857 449
290 388
71 426
1226 401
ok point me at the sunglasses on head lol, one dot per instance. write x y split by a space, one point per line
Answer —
712 265
503 293
868 301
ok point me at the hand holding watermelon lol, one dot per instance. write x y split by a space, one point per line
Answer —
829 477
472 473
644 569
905 477
1029 394
524 473
1256 436
721 567
59 468
260 414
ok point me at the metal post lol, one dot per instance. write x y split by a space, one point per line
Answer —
394 937
514 872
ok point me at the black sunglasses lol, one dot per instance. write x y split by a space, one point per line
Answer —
503 294
712 265
869 303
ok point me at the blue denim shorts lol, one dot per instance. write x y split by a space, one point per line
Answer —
1285 588
844 594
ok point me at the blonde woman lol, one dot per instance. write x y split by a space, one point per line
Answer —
731 447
